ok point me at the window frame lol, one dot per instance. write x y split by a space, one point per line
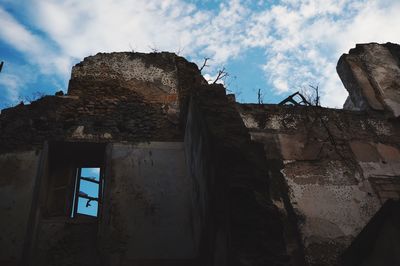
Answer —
74 214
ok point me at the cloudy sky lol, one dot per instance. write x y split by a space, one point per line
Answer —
276 46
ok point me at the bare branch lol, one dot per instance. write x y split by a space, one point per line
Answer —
316 100
153 49
221 75
32 97
229 81
260 97
311 94
180 50
204 63
132 50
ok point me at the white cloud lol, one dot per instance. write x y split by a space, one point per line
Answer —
37 50
9 85
13 79
310 35
302 39
17 35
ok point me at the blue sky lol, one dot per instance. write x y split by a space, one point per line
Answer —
90 189
277 46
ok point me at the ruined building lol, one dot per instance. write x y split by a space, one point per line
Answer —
143 162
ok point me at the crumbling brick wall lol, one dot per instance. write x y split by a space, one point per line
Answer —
111 97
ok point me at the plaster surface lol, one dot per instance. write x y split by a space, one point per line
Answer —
17 177
150 202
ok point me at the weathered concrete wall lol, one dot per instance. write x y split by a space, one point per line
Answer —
147 210
153 212
55 238
379 241
337 167
128 97
371 74
243 227
62 241
387 246
18 173
201 171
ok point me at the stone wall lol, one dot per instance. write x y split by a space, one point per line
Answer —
241 184
371 74
147 212
336 169
222 213
111 97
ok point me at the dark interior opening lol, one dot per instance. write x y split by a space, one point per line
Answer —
75 180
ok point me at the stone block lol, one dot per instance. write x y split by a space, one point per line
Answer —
386 170
296 147
394 187
389 195
364 151
366 88
271 144
384 73
388 153
371 74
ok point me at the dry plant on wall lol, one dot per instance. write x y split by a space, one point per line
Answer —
153 49
311 94
204 63
34 96
260 97
222 75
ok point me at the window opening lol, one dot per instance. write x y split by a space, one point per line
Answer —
87 192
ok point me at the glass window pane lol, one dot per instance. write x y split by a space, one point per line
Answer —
90 189
93 173
87 207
